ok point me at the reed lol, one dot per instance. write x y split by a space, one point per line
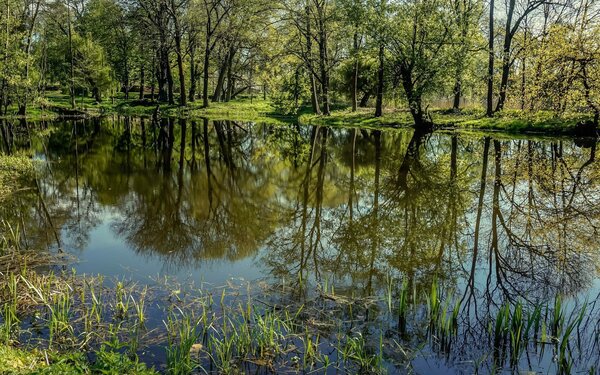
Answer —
403 306
10 326
355 350
232 334
183 334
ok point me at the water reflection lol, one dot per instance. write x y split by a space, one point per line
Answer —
491 217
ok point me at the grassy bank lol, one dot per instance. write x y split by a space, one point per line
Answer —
56 104
19 361
259 110
543 122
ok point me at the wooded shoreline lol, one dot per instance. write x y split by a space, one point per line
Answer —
266 111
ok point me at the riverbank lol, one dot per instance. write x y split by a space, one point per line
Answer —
57 105
543 122
16 361
265 111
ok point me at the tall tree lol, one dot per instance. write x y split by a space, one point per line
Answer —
489 111
513 23
216 12
419 48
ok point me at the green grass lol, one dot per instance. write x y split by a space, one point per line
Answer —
511 121
19 361
242 109
259 110
227 334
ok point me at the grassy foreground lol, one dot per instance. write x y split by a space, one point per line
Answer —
80 326
18 361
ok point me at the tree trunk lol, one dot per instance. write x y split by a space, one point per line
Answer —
508 37
221 78
490 79
126 86
161 75
380 82
192 94
414 102
457 94
323 62
588 97
170 81
142 81
179 53
229 89
96 94
355 74
154 70
23 104
205 74
313 84
364 100
72 62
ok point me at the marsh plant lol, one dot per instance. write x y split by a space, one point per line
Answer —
240 329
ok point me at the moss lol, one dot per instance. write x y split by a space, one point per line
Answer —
19 361
13 361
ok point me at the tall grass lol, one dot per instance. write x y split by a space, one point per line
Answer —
183 334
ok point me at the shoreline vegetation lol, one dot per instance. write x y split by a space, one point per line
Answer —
62 322
261 110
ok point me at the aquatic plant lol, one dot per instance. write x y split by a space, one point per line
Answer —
183 334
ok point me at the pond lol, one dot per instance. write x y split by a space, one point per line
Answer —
490 218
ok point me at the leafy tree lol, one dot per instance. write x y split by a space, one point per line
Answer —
419 50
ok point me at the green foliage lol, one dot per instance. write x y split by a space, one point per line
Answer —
292 93
17 362
14 170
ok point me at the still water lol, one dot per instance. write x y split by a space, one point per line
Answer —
490 217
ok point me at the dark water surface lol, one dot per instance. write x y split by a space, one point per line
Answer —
491 217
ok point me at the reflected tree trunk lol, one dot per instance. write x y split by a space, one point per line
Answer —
209 190
375 240
470 288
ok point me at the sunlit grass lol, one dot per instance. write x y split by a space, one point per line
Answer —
513 121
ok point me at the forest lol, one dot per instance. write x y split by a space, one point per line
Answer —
299 187
527 58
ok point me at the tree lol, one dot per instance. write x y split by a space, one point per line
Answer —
490 73
380 29
159 20
216 12
18 18
466 15
513 23
175 9
355 17
419 51
110 26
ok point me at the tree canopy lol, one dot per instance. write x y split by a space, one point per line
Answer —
528 55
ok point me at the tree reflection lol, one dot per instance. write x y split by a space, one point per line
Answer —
492 218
